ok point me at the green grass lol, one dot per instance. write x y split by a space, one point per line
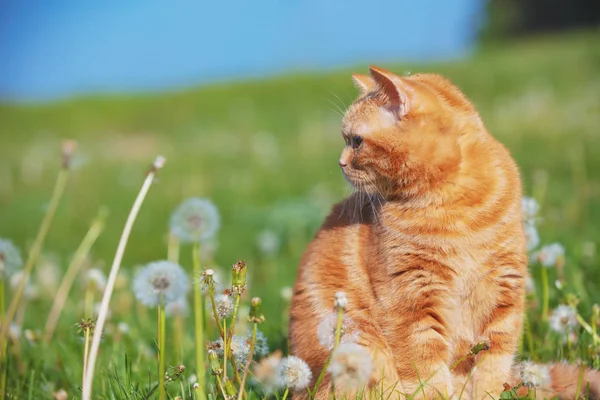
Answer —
266 153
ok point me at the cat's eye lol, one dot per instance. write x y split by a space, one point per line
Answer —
356 141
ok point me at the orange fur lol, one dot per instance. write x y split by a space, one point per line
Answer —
429 250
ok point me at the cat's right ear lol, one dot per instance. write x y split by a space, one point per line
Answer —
397 90
363 83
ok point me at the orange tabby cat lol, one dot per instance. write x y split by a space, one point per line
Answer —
429 250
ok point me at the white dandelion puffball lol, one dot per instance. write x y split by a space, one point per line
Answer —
240 347
224 304
294 373
531 236
529 208
96 278
341 301
268 242
179 308
160 280
550 255
195 220
563 319
327 326
287 293
10 258
261 346
535 375
265 373
351 366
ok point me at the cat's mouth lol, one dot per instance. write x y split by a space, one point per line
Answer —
360 181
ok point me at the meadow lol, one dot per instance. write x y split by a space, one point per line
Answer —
265 153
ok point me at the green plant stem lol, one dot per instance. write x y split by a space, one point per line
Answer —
36 249
529 336
235 311
338 334
162 394
285 394
3 355
211 294
221 388
545 293
225 348
248 362
199 320
62 293
86 348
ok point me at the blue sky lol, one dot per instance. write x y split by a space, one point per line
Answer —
54 49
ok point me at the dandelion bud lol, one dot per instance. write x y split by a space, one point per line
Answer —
238 277
255 316
482 345
68 149
229 389
215 365
341 301
174 373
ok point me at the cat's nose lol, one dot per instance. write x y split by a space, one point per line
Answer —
342 163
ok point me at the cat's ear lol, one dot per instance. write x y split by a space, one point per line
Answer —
396 89
363 83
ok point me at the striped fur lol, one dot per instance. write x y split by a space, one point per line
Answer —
429 249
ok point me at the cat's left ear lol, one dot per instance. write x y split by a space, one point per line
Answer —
396 89
363 83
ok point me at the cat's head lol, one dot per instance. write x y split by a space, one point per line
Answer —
403 133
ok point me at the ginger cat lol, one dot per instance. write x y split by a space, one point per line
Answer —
429 250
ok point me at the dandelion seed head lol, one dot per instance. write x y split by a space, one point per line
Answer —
351 366
10 259
265 373
31 291
240 347
529 285
287 293
529 208
195 220
535 375
341 301
327 326
550 255
294 373
179 308
224 305
123 328
95 278
563 319
261 346
268 242
532 236
160 280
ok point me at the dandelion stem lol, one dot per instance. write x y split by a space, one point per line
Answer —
66 284
86 348
199 321
545 294
235 310
221 388
59 188
529 336
112 278
587 327
338 334
3 357
225 348
211 294
173 256
285 394
248 362
162 395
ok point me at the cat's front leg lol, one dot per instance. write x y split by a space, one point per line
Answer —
503 329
